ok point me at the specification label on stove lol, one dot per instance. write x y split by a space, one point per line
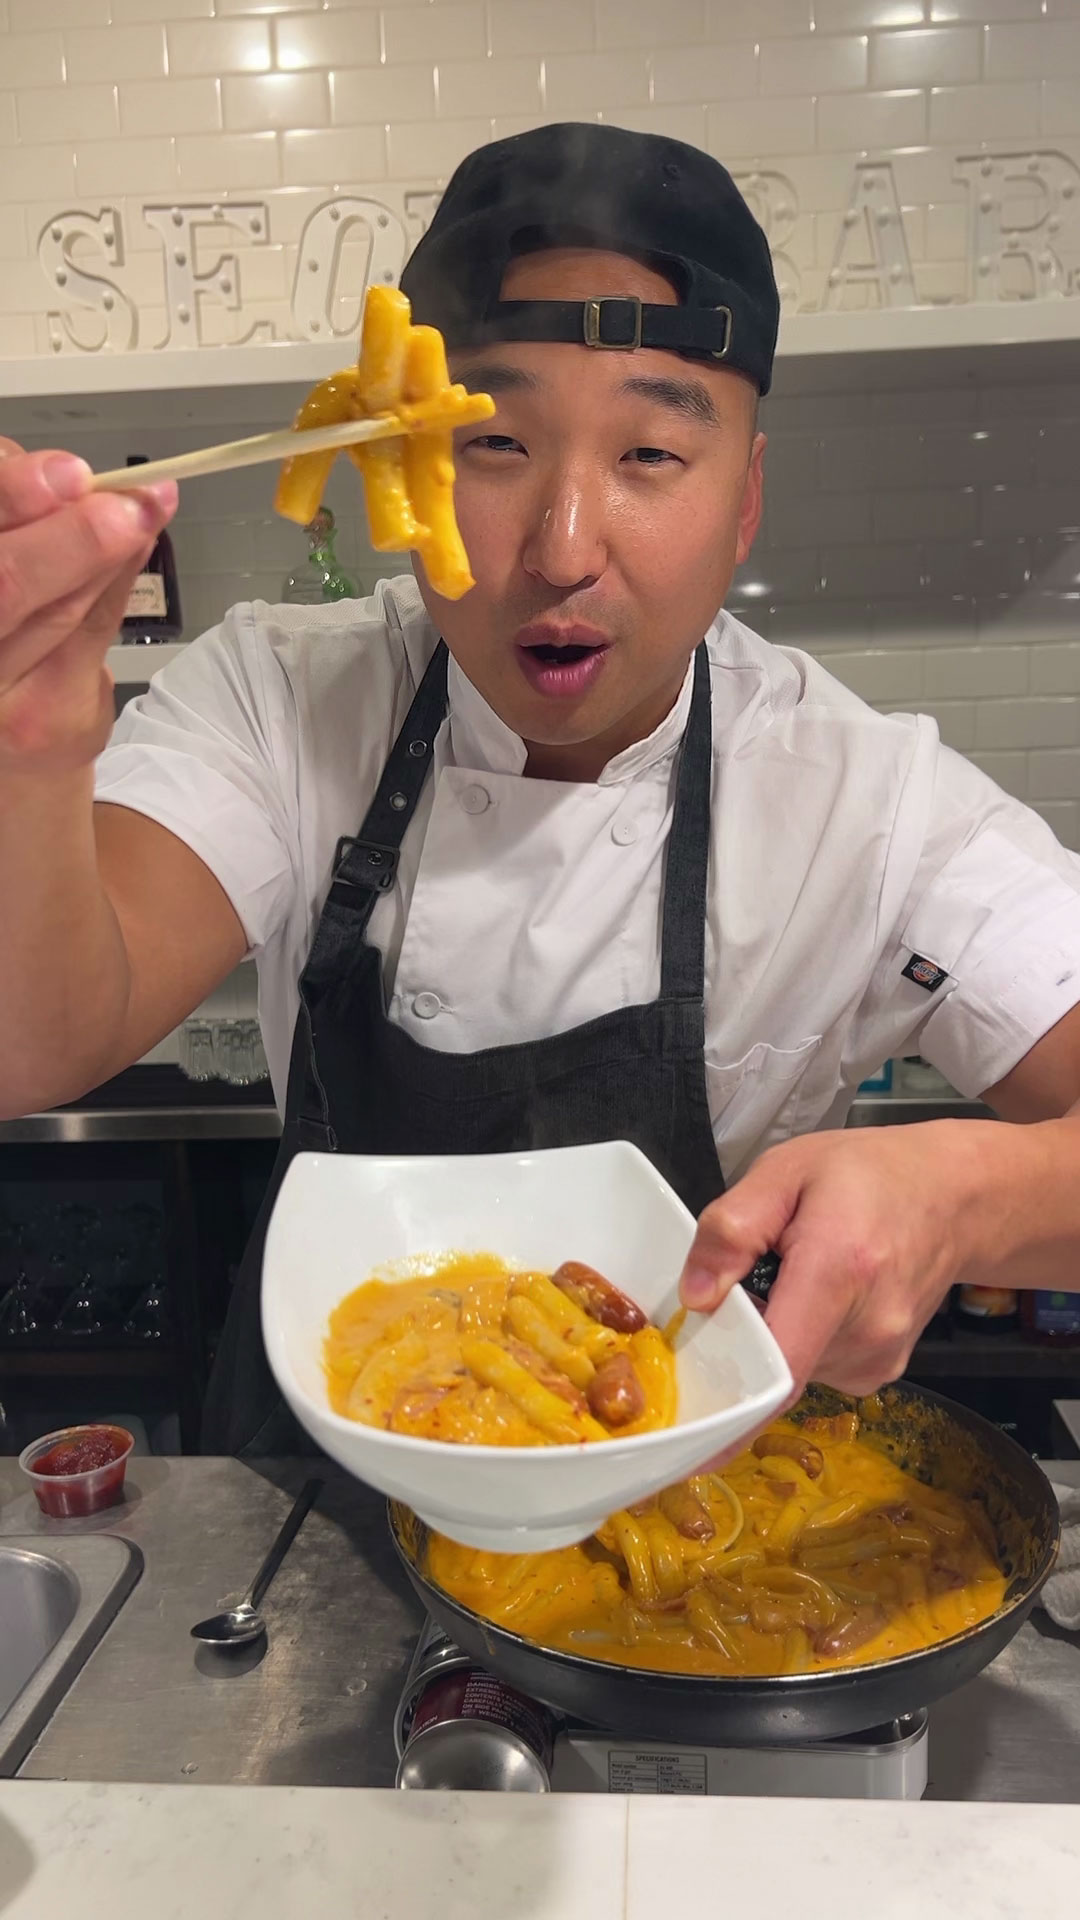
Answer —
658 1771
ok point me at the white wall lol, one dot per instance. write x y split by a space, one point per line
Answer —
926 540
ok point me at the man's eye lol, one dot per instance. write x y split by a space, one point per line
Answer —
652 456
496 443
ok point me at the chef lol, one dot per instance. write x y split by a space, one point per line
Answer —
576 857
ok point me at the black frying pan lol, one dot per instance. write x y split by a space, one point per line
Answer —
943 1445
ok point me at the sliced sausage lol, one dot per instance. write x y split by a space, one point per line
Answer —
688 1515
845 1635
598 1297
773 1613
791 1447
615 1394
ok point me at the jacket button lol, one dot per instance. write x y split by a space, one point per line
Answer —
476 800
426 1006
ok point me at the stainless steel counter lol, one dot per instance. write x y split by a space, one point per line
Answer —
258 1122
316 1709
78 1125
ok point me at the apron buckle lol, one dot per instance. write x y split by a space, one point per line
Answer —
368 864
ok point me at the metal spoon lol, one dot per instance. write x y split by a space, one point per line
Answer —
239 1625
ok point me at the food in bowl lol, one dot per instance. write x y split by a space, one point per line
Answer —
77 1470
813 1549
472 1350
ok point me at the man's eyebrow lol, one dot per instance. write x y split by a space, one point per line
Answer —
688 397
498 376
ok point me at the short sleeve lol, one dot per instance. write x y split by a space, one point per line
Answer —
209 752
995 909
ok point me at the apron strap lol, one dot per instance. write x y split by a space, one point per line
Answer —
366 865
682 962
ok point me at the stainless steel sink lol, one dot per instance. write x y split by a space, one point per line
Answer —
57 1597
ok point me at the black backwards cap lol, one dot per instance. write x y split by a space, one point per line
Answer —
657 200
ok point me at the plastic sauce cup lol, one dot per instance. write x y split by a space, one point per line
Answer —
71 1496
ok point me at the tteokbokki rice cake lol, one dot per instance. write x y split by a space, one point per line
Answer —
812 1549
474 1351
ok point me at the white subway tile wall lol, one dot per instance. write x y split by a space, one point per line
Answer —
171 106
33 59
253 102
115 53
924 542
327 40
940 56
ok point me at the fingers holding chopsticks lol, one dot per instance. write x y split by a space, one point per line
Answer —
67 560
58 539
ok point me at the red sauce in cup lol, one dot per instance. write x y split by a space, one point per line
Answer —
95 1448
81 1472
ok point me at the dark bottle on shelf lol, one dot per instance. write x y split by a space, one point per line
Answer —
153 609
1053 1319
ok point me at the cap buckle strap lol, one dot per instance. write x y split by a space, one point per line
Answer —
627 321
720 353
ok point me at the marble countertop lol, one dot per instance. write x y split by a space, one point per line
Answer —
81 1835
118 1852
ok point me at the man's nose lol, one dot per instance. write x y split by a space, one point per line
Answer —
566 545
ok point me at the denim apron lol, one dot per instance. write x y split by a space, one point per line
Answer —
360 1084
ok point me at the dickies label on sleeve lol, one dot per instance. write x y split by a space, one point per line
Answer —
924 973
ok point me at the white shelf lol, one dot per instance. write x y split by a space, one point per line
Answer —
278 361
998 323
187 388
816 350
1016 340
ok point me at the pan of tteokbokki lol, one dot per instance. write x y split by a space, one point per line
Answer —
857 1562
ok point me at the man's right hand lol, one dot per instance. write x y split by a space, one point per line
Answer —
68 558
114 929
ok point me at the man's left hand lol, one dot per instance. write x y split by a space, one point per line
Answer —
875 1225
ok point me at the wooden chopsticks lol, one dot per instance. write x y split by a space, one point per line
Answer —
423 416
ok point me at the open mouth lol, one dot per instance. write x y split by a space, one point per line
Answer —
561 669
550 656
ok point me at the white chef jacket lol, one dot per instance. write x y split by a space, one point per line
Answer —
846 845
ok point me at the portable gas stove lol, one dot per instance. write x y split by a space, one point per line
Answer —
460 1726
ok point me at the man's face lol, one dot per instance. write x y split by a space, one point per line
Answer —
604 509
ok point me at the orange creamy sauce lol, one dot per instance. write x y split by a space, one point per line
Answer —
477 1352
786 1571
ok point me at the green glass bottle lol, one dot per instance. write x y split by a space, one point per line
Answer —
322 577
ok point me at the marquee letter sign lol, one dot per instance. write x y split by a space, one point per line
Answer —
1019 204
318 314
1023 243
118 328
872 249
185 288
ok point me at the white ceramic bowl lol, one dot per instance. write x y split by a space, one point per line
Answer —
338 1217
